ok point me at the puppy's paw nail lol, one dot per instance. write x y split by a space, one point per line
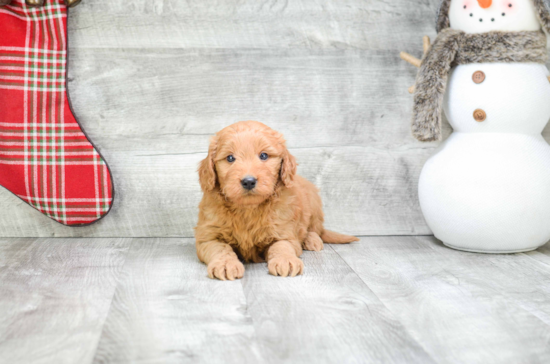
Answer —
313 242
226 269
285 266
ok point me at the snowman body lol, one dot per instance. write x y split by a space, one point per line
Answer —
487 187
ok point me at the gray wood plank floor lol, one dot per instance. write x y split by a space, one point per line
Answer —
392 299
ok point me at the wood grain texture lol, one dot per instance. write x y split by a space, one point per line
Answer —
383 299
327 315
462 307
166 310
54 297
340 24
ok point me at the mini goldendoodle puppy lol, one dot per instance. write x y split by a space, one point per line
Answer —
255 207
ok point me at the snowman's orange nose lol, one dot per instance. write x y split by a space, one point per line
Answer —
485 3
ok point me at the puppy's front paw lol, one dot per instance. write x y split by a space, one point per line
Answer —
283 265
313 242
226 269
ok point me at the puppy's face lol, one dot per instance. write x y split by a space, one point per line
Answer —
245 162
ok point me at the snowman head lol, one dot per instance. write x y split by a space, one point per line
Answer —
480 16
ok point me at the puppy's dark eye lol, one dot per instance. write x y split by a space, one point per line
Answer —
264 156
230 158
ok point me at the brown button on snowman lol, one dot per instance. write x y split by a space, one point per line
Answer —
487 187
478 77
480 115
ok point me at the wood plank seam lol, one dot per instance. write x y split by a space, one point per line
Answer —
411 334
118 282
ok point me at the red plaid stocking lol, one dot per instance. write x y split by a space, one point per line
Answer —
45 158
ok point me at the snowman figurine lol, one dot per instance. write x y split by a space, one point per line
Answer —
487 187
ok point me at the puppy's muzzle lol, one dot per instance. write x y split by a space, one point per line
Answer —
248 183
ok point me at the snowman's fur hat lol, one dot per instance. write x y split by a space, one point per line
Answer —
542 7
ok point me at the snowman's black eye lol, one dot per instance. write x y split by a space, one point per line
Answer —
503 14
264 156
230 158
464 6
509 5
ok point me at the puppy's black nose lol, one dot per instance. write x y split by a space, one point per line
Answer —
248 183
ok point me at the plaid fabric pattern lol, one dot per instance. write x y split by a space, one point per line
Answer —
45 158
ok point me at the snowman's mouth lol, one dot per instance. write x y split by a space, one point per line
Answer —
493 19
481 20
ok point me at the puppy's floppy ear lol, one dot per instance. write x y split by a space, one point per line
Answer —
207 171
288 168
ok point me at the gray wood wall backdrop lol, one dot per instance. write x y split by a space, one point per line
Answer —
151 80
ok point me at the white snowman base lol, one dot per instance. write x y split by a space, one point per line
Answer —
488 192
487 187
489 251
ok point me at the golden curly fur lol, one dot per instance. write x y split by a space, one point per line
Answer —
273 221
